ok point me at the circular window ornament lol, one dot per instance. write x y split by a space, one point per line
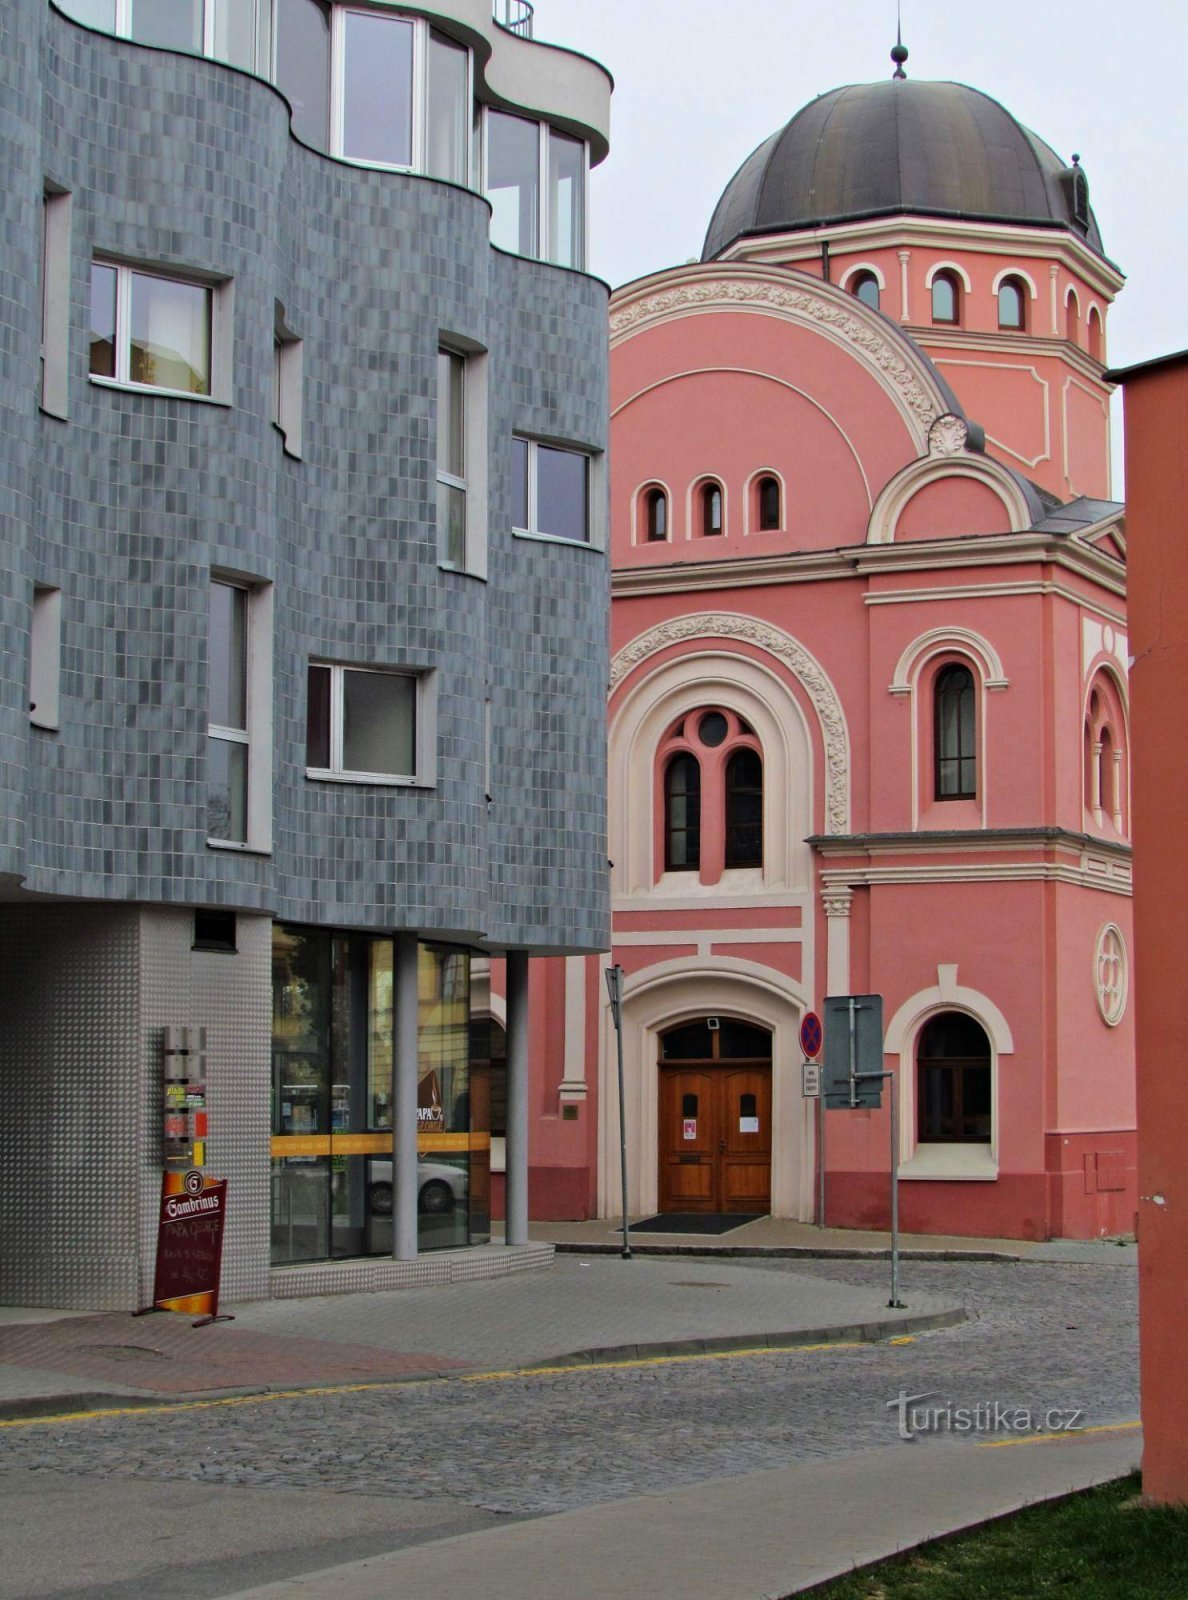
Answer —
1110 974
713 729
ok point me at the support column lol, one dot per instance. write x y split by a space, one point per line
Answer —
404 1098
904 311
837 899
516 1181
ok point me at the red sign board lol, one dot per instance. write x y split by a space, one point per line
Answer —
810 1034
190 1243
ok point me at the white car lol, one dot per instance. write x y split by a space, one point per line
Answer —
440 1188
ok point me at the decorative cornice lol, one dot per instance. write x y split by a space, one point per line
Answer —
757 291
704 627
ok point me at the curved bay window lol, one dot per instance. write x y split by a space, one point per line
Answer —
744 809
955 735
946 298
954 1103
682 814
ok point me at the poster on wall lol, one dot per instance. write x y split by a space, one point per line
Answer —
190 1245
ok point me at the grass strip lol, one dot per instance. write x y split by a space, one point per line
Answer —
1099 1545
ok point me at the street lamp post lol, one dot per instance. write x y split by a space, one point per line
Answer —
614 987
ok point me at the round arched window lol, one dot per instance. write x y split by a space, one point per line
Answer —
865 286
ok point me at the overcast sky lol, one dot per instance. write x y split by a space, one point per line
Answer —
699 83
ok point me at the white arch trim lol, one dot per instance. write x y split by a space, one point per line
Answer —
921 651
708 627
638 536
1015 272
872 267
1070 293
948 266
749 495
672 992
946 995
899 490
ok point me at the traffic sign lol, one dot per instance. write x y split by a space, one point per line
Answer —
810 1034
810 1079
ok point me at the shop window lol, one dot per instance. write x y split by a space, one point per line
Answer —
655 518
954 1103
682 814
550 491
946 298
955 734
1012 305
536 183
865 287
362 724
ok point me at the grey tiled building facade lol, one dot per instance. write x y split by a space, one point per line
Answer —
225 348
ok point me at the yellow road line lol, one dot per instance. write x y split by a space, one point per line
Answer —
1051 1438
511 1374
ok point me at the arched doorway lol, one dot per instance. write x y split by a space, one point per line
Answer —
715 1117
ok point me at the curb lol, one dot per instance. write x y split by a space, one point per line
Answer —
66 1406
789 1252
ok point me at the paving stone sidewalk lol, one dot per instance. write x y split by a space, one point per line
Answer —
578 1309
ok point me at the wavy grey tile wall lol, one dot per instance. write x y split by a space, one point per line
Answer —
133 501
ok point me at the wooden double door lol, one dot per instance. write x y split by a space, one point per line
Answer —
715 1137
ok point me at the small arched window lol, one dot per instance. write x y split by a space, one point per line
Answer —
1094 331
865 286
1012 305
682 814
656 515
955 742
744 809
767 496
711 509
1072 318
946 298
954 1101
1106 777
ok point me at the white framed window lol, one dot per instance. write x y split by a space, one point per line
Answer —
45 657
400 93
536 182
152 330
239 715
367 724
550 491
462 459
236 31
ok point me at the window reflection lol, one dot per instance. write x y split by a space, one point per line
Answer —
513 181
377 89
449 110
303 66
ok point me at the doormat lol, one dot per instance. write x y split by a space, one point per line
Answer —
694 1222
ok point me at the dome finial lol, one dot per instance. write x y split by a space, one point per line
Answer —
899 52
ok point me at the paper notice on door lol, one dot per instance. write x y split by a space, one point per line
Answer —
748 1124
689 1128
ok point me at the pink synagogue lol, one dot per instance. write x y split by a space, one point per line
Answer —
868 725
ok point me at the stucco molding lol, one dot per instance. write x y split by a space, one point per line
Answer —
706 626
824 309
899 491
946 995
923 648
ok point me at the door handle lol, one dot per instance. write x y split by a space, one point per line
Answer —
721 1147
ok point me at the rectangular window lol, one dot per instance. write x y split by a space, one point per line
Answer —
214 930
377 88
451 458
361 723
171 24
448 112
536 183
239 715
45 657
229 30
151 331
550 491
55 302
303 66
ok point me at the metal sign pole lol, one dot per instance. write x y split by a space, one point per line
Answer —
614 984
895 1302
821 1158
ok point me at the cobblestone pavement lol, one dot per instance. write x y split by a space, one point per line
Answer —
1040 1336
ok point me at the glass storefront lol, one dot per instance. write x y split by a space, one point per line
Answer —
332 1061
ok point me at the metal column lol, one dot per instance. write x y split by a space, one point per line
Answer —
516 1203
404 1098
